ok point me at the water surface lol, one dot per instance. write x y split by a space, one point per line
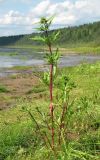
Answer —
10 57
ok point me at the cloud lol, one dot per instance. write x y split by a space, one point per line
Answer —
41 8
66 13
12 17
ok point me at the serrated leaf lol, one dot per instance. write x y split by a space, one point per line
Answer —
41 28
38 38
56 35
46 78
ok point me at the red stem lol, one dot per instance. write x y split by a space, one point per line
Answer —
51 91
51 99
51 103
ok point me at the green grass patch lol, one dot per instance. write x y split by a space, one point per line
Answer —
37 89
87 50
3 89
9 54
20 139
22 67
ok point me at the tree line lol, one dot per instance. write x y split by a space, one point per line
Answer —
87 33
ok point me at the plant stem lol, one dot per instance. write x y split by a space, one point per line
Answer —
53 150
44 120
51 89
51 100
51 104
62 121
38 127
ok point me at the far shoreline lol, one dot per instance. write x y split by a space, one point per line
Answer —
87 50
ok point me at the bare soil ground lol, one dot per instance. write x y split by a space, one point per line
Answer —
17 87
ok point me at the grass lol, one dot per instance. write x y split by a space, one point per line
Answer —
33 48
9 54
66 48
86 50
19 137
3 89
37 89
21 68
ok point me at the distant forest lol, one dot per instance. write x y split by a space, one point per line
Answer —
88 34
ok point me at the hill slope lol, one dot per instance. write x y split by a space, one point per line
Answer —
87 34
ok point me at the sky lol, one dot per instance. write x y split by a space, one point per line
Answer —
21 16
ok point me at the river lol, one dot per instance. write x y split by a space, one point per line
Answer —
10 57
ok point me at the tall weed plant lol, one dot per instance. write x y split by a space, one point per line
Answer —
54 126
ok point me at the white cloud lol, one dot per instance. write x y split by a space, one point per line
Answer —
81 4
41 8
67 12
12 17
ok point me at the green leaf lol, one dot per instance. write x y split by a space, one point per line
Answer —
56 35
54 70
46 78
38 38
51 19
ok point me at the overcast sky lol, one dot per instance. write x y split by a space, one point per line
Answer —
19 16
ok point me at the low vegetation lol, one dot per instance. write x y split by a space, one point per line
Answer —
3 88
19 137
62 123
8 54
